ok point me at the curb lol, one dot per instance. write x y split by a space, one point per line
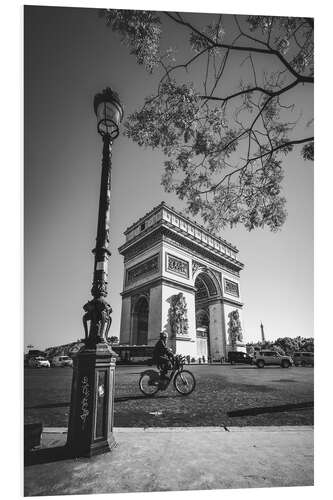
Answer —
286 428
54 430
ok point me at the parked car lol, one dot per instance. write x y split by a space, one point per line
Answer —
266 357
239 357
62 361
303 358
39 362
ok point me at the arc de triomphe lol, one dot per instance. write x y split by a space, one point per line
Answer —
178 277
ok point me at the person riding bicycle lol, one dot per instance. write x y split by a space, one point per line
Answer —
162 355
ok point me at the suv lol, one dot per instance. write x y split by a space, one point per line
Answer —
303 358
39 362
272 358
239 357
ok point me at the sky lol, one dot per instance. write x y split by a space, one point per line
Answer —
69 56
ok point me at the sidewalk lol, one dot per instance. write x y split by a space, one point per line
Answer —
180 458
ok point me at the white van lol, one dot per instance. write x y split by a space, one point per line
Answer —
62 361
39 362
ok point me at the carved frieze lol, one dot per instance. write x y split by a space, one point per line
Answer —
204 253
177 265
231 287
145 268
162 234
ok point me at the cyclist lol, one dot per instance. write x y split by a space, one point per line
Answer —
162 355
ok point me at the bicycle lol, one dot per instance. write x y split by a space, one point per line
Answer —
183 380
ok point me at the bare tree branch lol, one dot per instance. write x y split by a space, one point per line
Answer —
255 158
268 51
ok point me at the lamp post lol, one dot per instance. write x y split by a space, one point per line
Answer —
91 412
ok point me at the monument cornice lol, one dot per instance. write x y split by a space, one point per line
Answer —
158 281
232 302
203 250
164 230
216 300
173 211
135 243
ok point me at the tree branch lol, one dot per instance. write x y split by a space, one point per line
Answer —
269 51
250 160
253 89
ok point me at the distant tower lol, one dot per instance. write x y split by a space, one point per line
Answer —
262 333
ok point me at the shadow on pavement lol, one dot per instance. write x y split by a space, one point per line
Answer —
251 367
270 409
286 380
46 455
156 396
51 405
117 399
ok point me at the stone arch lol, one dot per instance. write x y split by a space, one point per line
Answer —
140 316
202 333
207 293
206 284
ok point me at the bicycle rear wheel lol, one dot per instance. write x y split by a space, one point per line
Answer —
149 382
184 382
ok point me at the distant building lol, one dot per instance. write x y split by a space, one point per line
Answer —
33 353
181 278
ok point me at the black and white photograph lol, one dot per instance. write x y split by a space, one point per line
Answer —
168 185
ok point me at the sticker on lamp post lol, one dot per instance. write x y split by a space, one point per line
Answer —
84 401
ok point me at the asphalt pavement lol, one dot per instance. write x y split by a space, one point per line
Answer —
225 395
176 459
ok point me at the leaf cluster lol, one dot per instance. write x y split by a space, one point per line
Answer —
140 30
224 151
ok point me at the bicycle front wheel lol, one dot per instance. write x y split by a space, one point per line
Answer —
149 382
184 382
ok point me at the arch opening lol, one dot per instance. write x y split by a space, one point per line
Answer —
205 291
140 322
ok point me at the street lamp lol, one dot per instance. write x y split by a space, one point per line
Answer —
91 412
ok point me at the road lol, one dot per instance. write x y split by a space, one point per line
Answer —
225 395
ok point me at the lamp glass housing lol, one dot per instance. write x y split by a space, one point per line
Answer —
109 115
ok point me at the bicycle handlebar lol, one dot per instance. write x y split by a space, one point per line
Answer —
179 360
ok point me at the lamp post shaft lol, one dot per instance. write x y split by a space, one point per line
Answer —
91 413
101 251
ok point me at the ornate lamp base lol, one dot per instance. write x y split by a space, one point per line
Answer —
91 418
